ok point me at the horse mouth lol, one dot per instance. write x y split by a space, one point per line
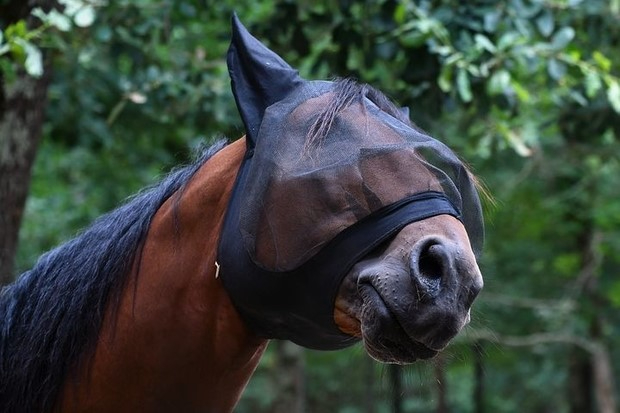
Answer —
385 338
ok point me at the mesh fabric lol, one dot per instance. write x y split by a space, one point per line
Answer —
331 154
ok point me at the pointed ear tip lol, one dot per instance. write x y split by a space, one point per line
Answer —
236 23
239 31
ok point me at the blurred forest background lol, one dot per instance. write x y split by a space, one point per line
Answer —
110 95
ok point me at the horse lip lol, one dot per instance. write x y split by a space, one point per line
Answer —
425 352
419 349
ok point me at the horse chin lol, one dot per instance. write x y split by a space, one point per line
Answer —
384 338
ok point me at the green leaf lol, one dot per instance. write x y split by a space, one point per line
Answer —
613 94
445 79
578 97
491 20
518 144
103 34
39 13
400 13
602 61
53 18
16 30
545 23
613 294
566 264
463 84
84 17
72 6
4 48
562 38
499 83
484 43
556 69
59 20
355 59
525 10
521 92
593 83
413 38
508 40
34 59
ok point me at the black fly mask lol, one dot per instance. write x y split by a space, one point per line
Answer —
332 170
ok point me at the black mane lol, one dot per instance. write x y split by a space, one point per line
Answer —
51 316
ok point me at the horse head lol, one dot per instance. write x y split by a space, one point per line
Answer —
346 222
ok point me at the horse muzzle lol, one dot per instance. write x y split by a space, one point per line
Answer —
414 303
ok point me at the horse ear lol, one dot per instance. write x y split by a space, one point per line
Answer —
259 78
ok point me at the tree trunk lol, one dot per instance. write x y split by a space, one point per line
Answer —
22 107
441 383
478 377
289 378
580 397
604 381
602 377
369 385
396 383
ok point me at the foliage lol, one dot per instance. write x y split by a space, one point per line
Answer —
527 90
20 41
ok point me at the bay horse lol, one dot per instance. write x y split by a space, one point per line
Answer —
333 220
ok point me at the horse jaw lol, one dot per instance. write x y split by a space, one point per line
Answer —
410 298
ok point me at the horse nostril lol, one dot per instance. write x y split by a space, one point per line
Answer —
430 262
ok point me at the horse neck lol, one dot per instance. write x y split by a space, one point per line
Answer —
176 343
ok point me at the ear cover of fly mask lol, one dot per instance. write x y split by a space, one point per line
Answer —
259 78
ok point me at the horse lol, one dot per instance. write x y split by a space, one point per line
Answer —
333 220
